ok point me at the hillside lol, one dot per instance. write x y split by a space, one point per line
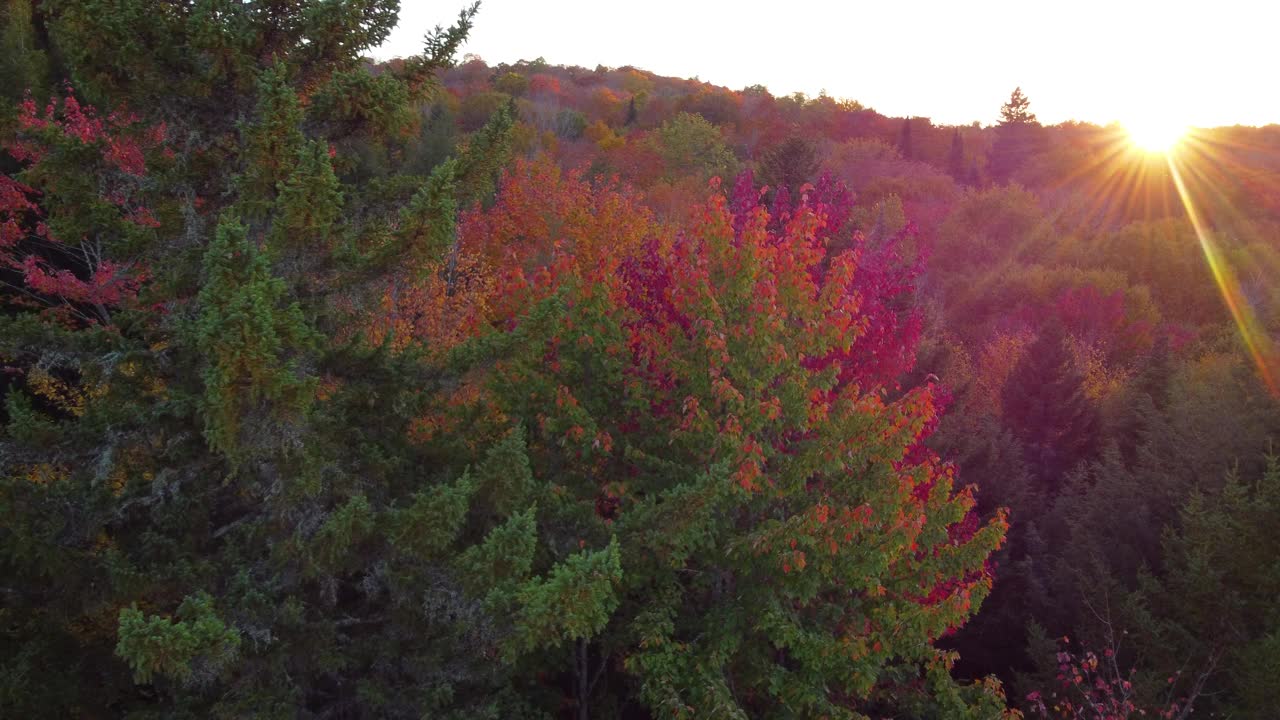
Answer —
429 388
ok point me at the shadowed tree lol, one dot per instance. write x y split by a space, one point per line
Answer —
905 144
1045 406
790 164
1018 136
956 166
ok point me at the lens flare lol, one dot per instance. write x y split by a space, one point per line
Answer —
1256 339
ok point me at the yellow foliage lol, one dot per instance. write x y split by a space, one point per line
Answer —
61 394
997 360
1100 381
131 464
549 141
45 473
156 387
524 138
603 136
117 480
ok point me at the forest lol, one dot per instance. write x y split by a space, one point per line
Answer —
333 387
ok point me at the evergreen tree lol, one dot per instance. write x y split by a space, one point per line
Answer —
790 164
1018 136
1018 110
956 166
1208 622
905 145
973 177
1045 406
24 62
214 502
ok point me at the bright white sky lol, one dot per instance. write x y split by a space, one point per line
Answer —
1199 62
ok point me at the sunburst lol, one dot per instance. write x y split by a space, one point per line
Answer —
1156 134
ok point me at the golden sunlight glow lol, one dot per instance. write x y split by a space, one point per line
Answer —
1155 134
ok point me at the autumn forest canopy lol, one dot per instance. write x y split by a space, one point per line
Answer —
429 388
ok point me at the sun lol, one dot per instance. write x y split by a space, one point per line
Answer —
1155 134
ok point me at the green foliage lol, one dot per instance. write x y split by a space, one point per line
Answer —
442 43
512 83
690 144
192 648
506 554
24 66
341 534
273 141
1018 137
791 164
477 109
427 222
356 101
26 423
574 601
250 338
505 474
233 438
1209 620
570 124
432 521
883 220
738 525
484 156
306 412
309 201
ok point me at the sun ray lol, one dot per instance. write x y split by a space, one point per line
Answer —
1259 344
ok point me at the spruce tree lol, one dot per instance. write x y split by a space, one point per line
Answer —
1018 136
215 504
956 166
905 145
1018 110
1045 406
790 164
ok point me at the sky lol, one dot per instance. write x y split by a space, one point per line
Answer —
1203 64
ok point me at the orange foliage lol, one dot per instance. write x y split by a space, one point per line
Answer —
547 221
442 305
996 361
